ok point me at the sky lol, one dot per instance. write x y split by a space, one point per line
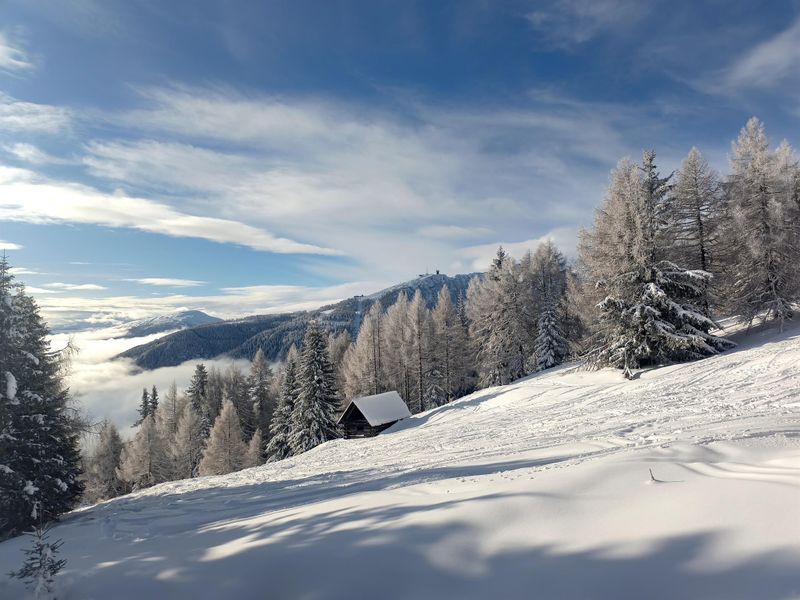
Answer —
247 157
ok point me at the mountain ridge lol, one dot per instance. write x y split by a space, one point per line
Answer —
274 334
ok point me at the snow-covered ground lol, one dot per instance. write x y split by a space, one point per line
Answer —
540 489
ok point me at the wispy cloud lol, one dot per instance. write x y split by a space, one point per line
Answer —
32 154
75 287
9 246
12 56
16 115
768 63
17 271
27 198
167 282
567 23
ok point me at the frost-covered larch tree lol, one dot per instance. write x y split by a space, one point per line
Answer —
226 449
694 216
500 322
255 453
102 479
651 309
315 412
363 369
398 354
188 444
762 273
448 342
145 461
280 430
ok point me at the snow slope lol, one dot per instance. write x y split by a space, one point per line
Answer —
540 489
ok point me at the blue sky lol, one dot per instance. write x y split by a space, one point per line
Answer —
239 157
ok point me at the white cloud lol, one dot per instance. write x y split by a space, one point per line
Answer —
75 287
16 115
167 282
768 63
17 271
9 246
26 198
452 232
478 258
31 154
568 23
13 58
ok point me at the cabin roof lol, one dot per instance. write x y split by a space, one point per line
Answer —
380 408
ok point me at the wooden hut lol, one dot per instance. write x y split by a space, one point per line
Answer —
368 416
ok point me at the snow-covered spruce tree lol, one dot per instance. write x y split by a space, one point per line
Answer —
762 272
102 480
215 396
363 363
547 271
144 459
651 312
255 453
41 460
188 444
226 449
197 392
550 346
315 411
144 408
278 446
260 388
154 400
694 217
41 565
236 390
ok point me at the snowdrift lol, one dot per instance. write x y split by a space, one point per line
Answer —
540 489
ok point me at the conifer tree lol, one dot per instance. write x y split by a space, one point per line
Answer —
144 458
652 311
363 368
398 349
144 407
188 444
315 411
41 565
762 278
153 401
226 449
449 344
279 446
236 390
198 393
260 388
548 274
255 454
102 479
694 218
39 478
418 316
215 396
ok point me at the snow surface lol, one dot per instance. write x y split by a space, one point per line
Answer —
539 489
382 408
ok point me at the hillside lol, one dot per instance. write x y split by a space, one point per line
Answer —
537 489
178 320
274 334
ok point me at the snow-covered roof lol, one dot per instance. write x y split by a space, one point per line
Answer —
381 408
